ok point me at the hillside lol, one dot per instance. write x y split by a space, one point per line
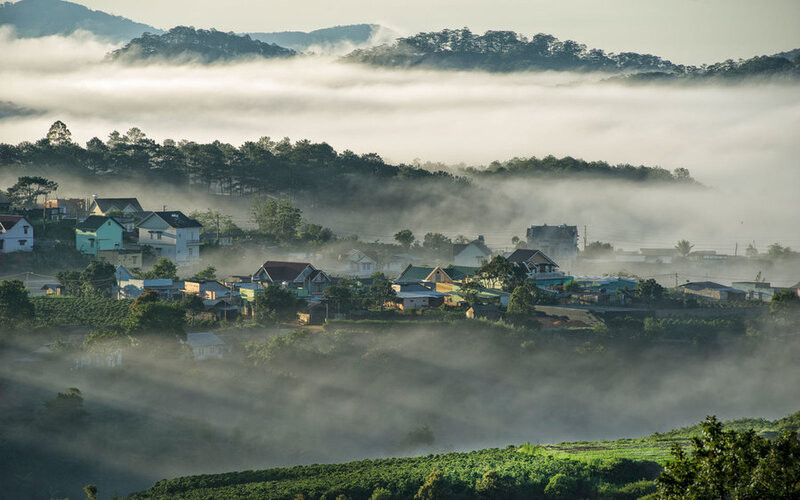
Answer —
625 470
776 66
184 43
460 49
354 34
35 18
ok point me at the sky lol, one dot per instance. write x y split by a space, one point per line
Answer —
685 31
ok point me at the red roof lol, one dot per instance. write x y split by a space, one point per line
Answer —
9 221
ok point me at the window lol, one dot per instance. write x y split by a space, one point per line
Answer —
1 244
91 242
22 242
25 229
158 236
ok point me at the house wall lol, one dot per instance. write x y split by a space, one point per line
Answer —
208 352
106 237
117 258
181 245
18 238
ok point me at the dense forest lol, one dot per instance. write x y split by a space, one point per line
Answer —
187 43
730 70
461 49
553 167
502 51
271 167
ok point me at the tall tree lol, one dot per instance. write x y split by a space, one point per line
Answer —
684 248
405 237
28 189
59 134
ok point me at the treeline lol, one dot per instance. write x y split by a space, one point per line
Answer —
502 51
550 166
188 43
759 66
460 49
256 167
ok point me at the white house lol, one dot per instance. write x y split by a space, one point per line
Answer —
16 234
172 235
359 264
472 254
206 345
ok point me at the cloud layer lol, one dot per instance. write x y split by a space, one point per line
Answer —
739 139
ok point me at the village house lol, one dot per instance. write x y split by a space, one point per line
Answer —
559 242
299 276
126 210
757 290
416 296
16 234
129 287
172 235
711 290
65 208
472 254
128 257
358 264
538 267
206 345
97 232
422 274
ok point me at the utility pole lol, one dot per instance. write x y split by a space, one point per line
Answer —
217 229
584 237
676 281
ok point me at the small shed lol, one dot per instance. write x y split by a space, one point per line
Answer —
206 345
484 311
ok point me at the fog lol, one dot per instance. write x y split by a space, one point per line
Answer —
739 140
345 395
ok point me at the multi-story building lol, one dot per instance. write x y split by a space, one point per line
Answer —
172 235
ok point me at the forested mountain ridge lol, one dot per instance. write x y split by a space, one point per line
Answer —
779 65
502 51
506 51
35 18
265 166
553 167
187 43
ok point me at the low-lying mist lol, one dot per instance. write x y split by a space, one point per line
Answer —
739 140
368 391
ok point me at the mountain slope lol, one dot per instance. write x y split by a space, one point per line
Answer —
188 44
609 469
461 49
35 18
354 34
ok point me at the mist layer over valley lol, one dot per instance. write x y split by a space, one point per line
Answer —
367 390
740 140
357 389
